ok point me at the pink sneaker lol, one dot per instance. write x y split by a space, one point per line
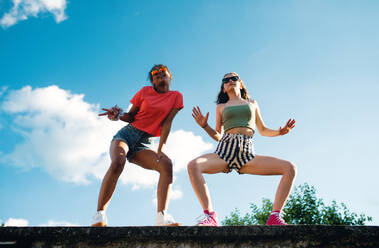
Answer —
275 219
208 219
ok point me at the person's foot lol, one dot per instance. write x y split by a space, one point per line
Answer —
275 219
99 219
164 219
208 219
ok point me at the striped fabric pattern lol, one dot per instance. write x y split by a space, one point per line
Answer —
236 150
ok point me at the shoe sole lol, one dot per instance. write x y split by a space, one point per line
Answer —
173 224
99 224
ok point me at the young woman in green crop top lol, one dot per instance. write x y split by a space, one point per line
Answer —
239 117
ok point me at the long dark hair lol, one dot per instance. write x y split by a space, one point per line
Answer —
222 97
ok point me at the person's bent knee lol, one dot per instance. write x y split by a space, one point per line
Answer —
117 165
290 169
165 168
192 166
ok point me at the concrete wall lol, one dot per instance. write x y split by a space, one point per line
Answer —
228 236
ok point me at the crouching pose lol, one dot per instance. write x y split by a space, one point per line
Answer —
154 108
239 116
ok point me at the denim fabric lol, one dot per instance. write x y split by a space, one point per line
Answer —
136 140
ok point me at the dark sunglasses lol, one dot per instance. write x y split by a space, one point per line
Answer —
234 78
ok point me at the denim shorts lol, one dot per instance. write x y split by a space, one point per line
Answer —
136 140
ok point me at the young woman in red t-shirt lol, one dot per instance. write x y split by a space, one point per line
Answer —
154 108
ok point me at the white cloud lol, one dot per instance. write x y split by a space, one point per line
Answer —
183 146
58 223
173 195
22 9
2 90
24 222
16 222
176 194
63 135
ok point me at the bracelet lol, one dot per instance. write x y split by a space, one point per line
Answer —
205 126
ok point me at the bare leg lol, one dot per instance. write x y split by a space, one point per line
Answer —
148 160
118 151
264 165
209 163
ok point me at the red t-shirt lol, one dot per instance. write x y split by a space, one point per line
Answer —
154 108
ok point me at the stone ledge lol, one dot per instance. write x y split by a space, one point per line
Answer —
191 236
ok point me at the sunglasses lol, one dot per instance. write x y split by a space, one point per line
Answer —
234 78
153 72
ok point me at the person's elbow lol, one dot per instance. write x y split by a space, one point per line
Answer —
262 130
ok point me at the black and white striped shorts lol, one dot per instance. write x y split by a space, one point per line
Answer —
236 150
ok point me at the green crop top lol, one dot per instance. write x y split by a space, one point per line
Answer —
238 116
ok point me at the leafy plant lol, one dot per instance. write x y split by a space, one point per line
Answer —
302 207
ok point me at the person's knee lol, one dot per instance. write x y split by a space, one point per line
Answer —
165 168
290 169
192 166
117 165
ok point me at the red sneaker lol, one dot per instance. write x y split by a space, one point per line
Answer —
275 219
208 219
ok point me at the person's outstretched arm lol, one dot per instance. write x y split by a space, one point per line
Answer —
129 117
264 131
202 121
115 113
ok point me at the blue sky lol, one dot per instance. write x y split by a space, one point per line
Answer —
60 62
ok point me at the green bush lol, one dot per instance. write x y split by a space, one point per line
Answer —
302 207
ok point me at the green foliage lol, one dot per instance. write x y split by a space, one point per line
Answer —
258 216
302 207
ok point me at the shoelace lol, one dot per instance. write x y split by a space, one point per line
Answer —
169 219
279 219
204 218
98 217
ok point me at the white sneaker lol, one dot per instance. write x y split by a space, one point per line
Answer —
164 219
99 219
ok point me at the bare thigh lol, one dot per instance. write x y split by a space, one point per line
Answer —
210 163
118 150
265 165
148 159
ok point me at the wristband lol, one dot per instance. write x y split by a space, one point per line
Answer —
205 126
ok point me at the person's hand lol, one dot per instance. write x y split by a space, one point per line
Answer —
200 119
287 128
161 155
112 113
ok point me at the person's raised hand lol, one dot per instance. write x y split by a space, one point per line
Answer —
287 128
200 119
111 113
161 155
